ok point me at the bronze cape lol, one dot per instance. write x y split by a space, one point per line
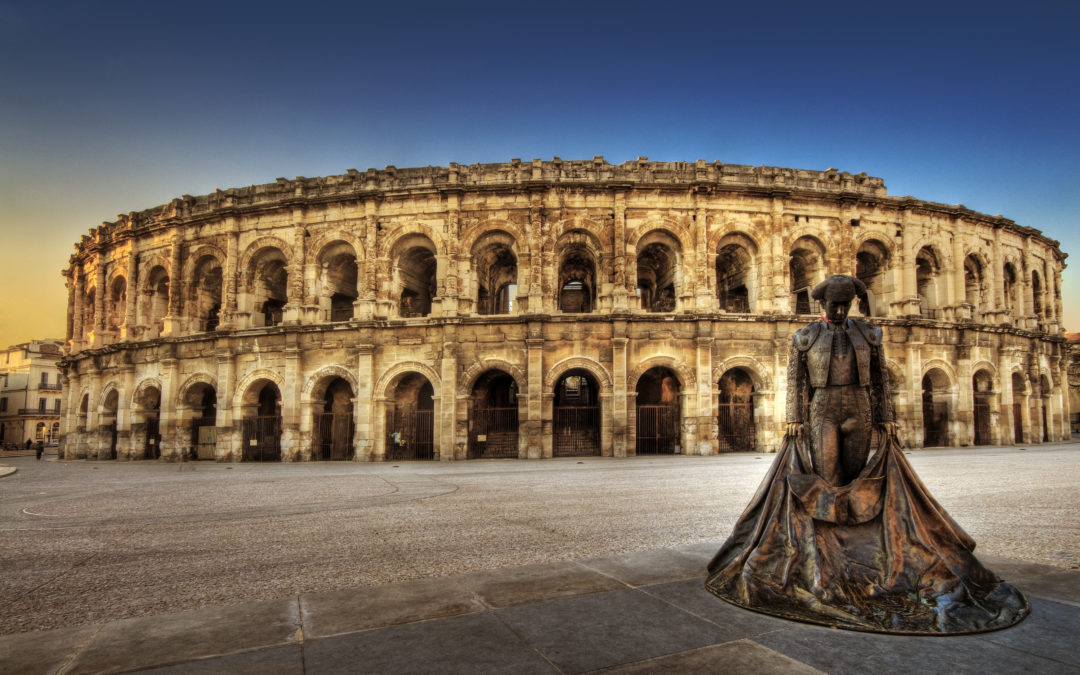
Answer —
878 554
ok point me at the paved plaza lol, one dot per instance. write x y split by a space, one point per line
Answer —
141 564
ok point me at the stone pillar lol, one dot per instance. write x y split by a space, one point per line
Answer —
909 297
127 332
290 399
99 304
536 260
537 437
172 320
705 441
620 420
704 300
965 404
231 281
448 444
775 264
959 286
226 383
368 268
914 378
295 299
78 329
363 410
124 449
451 236
619 292
172 438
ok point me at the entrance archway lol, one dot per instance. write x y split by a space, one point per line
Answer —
576 427
148 413
332 428
493 417
935 405
982 386
410 420
201 401
1019 389
262 423
108 421
659 421
735 418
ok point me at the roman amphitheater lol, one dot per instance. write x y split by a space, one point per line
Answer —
541 309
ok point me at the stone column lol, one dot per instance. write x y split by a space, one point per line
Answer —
226 381
99 304
538 438
127 332
172 439
78 329
451 235
959 286
536 260
231 281
124 448
775 265
291 441
619 292
448 444
909 297
363 410
965 404
295 300
620 420
705 442
704 300
176 285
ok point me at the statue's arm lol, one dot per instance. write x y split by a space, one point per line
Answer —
797 380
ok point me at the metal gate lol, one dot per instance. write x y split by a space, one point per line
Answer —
657 429
153 438
1018 425
982 424
410 435
204 438
736 430
332 436
576 431
935 423
493 432
262 439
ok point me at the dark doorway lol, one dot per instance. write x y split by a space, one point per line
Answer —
576 425
735 418
658 408
262 431
332 428
935 414
493 417
410 423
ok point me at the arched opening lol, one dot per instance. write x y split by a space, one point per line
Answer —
333 427
577 280
108 421
84 409
1044 407
205 294
339 273
200 403
493 417
935 405
982 388
1019 390
805 265
926 276
576 426
416 277
659 418
656 264
117 304
39 433
410 419
148 414
1036 295
156 303
496 279
871 264
269 286
733 269
973 285
735 423
54 432
262 423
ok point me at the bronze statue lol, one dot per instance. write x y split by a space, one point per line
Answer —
836 539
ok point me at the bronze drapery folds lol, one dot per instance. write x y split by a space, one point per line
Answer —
833 539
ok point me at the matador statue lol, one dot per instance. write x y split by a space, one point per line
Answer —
840 537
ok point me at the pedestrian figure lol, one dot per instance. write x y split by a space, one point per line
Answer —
40 449
29 443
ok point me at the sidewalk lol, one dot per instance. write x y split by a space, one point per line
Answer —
642 612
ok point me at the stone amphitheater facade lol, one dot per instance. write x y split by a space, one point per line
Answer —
540 309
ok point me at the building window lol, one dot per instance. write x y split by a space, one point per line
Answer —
56 405
3 405
41 403
44 378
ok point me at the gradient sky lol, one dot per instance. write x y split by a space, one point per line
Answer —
111 107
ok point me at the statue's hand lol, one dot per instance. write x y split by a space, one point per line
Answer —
795 429
888 428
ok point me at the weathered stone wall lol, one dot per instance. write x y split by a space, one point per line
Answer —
696 268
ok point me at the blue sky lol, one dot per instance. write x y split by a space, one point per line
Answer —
109 107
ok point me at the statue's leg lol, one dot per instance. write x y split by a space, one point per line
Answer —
825 434
855 431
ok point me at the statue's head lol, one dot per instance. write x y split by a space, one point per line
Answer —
836 294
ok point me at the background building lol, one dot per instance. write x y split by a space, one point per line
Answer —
30 392
541 309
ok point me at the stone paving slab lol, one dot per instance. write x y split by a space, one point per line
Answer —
594 615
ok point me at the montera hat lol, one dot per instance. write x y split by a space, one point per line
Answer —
839 287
